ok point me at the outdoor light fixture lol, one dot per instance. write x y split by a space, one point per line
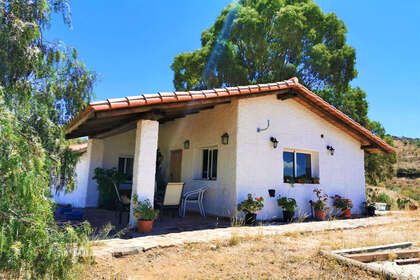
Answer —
331 149
186 144
225 138
274 141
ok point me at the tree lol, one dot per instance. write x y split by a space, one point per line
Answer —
262 41
379 167
42 84
258 41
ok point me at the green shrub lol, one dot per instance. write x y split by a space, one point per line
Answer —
374 196
108 182
412 173
287 203
411 192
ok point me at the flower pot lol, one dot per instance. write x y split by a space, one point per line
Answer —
347 213
250 219
320 214
145 226
370 210
300 181
413 207
315 180
288 216
271 192
380 206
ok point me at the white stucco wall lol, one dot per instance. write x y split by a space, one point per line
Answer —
260 166
205 130
77 198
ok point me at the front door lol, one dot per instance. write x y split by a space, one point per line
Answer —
175 166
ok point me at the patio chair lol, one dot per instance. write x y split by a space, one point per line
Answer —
172 198
195 196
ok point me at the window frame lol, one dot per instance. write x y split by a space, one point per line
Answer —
210 163
126 158
295 166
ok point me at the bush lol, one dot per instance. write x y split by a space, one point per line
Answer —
374 196
411 192
108 182
411 173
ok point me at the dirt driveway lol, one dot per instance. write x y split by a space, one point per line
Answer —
287 255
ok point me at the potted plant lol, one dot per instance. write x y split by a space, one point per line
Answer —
315 180
145 214
251 207
320 206
301 179
289 206
344 204
370 208
289 179
369 204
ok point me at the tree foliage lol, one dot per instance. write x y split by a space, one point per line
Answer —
42 84
258 41
262 41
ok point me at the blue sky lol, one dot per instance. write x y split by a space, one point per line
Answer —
132 45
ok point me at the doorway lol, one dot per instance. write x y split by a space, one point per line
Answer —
175 166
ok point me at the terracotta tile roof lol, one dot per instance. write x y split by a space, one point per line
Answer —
191 96
79 147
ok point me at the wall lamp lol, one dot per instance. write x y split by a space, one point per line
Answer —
186 144
274 141
331 149
225 138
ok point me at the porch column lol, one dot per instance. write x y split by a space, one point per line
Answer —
95 154
144 162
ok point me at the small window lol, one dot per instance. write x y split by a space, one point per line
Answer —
296 165
209 171
125 165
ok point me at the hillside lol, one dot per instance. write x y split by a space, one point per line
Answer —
406 185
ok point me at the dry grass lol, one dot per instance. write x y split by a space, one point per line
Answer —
294 255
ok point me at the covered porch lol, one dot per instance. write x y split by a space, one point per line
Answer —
193 144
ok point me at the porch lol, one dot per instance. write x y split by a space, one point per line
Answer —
153 153
101 218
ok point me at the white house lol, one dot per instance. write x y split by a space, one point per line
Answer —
313 139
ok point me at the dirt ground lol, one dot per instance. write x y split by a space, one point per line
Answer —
293 255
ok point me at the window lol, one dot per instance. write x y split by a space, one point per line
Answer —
209 171
125 165
296 165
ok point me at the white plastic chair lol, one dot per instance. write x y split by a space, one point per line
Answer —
195 196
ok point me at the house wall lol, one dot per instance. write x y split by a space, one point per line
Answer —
260 166
120 145
77 198
205 130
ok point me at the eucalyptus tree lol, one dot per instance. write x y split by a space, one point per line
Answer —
42 84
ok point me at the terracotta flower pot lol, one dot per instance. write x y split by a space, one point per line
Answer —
145 226
347 213
315 181
320 214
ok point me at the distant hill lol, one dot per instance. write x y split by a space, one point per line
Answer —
407 183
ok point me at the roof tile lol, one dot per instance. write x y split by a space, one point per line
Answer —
173 97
